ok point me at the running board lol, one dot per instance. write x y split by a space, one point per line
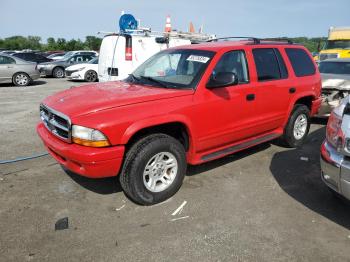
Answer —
235 148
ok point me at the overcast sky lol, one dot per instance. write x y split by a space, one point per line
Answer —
260 18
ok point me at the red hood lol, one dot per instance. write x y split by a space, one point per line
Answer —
91 98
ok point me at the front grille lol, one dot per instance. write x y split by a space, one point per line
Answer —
56 122
69 73
328 56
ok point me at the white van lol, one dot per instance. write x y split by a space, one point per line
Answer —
121 53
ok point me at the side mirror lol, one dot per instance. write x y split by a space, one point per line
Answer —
222 79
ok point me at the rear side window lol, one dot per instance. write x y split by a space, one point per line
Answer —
301 62
267 65
6 60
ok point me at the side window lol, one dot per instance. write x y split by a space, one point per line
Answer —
301 62
87 57
266 63
79 58
4 60
283 68
234 62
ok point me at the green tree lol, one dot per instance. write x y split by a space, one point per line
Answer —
51 44
61 44
93 42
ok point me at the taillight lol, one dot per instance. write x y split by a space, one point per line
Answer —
128 48
334 133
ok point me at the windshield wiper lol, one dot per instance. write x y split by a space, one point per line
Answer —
151 79
134 78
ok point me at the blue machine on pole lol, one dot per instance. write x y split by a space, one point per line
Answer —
127 22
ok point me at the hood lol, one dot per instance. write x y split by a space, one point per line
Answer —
53 62
92 98
335 81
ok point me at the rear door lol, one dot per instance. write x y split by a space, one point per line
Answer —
273 90
7 68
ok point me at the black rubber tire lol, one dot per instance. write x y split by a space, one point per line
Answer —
288 139
90 76
16 83
58 72
138 155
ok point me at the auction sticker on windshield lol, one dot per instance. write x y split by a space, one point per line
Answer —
197 58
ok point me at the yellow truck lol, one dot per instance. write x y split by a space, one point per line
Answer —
337 44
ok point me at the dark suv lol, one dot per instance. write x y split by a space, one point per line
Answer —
32 57
189 104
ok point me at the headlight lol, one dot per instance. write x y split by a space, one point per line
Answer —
89 137
334 133
81 68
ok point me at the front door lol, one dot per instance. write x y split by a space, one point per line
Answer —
225 115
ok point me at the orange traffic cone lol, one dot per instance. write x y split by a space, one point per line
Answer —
168 24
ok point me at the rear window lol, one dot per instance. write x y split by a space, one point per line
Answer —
301 62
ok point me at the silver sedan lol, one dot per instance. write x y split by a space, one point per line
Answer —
17 71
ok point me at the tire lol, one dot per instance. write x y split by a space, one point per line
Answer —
140 169
21 79
90 76
294 136
58 72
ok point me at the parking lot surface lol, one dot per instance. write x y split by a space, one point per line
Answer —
267 203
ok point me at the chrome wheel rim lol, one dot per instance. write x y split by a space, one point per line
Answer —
160 172
300 126
91 76
59 73
21 79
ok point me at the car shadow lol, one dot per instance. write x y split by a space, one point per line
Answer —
297 171
103 186
34 83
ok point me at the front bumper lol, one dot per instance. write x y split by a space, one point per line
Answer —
45 70
86 161
335 170
74 75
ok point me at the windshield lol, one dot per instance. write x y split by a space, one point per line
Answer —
67 55
177 68
337 44
341 68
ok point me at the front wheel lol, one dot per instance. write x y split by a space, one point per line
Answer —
90 76
154 169
297 127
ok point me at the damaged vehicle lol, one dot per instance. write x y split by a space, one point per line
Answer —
335 151
335 75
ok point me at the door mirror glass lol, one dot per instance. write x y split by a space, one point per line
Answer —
222 79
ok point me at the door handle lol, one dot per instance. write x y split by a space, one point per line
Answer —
250 97
9 66
292 90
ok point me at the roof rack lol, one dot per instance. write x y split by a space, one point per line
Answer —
254 39
278 39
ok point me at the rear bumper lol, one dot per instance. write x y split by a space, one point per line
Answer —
35 76
315 106
335 170
86 161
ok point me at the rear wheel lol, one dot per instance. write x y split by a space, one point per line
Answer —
21 79
297 127
58 72
154 169
90 76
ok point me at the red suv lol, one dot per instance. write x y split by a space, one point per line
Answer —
185 105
